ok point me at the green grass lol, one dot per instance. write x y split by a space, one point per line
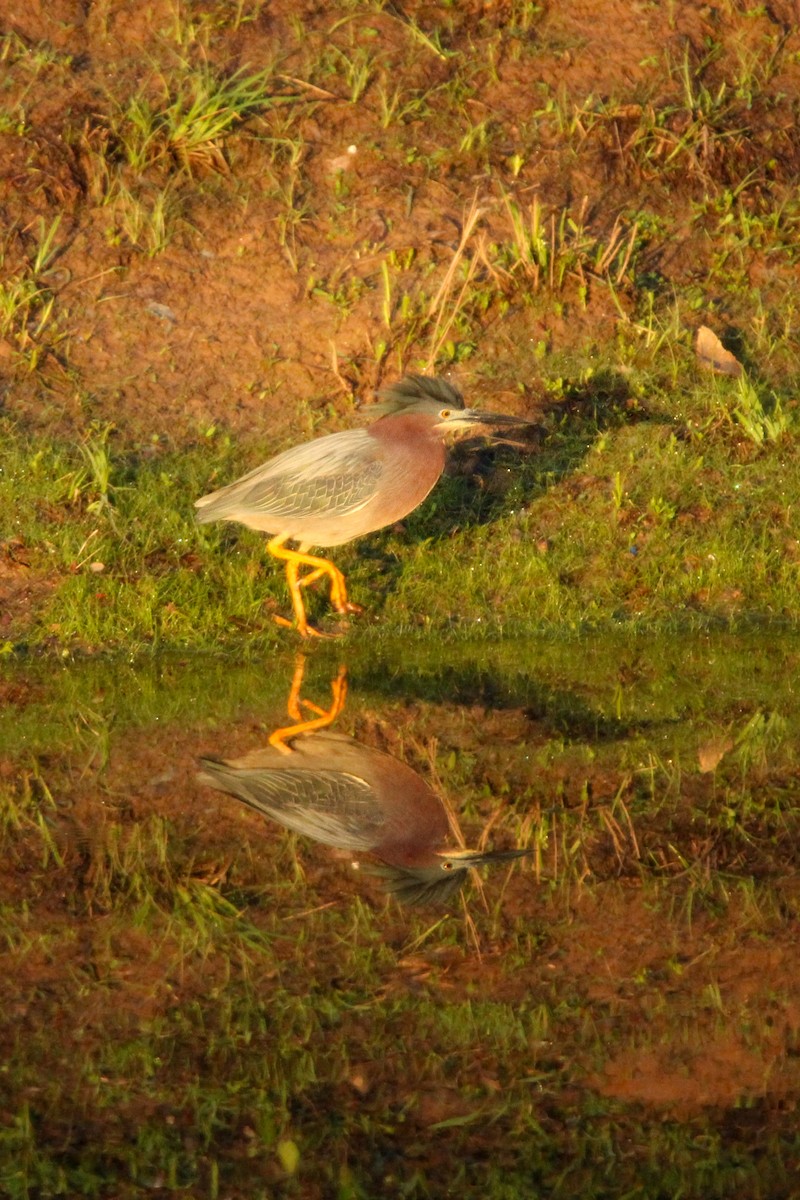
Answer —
677 519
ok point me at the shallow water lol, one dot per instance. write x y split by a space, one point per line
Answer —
235 990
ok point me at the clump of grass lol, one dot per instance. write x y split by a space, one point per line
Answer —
503 256
138 159
188 128
27 303
27 809
761 424
547 252
147 218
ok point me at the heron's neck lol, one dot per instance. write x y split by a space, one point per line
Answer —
410 433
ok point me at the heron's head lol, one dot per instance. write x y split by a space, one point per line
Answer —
439 883
442 403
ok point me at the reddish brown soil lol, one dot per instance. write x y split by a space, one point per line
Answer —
242 341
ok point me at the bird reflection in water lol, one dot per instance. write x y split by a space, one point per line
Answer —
337 791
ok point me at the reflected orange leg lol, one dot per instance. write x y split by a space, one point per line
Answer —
293 702
324 718
294 559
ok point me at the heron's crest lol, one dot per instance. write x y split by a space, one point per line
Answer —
412 390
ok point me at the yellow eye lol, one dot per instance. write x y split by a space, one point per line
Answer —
445 413
447 865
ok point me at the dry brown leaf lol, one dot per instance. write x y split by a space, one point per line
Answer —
710 755
360 1081
712 355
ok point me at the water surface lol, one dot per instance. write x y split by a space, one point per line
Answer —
195 997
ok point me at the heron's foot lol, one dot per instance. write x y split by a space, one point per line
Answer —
305 630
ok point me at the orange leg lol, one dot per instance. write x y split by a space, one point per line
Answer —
338 587
325 717
294 559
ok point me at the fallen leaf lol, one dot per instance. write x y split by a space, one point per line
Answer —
360 1083
712 355
712 753
162 311
289 1155
343 162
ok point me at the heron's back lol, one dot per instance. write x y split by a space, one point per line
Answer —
336 488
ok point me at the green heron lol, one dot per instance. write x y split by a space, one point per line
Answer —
345 485
331 788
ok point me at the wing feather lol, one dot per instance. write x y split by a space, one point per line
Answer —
333 807
334 475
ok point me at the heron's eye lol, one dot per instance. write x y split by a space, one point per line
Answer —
447 865
445 413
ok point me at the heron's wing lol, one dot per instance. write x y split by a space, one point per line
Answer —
335 475
333 807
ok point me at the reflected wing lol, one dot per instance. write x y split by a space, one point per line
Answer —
335 475
331 807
